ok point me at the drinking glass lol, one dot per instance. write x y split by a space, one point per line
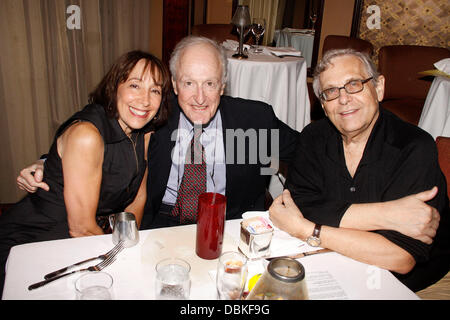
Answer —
313 18
172 279
231 275
210 225
258 29
95 285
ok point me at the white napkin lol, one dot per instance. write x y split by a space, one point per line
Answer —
282 51
443 65
233 45
304 31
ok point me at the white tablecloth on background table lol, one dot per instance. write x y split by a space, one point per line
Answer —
435 117
298 39
280 82
134 270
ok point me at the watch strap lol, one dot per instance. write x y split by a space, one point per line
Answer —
316 232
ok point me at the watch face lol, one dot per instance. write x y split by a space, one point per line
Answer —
313 241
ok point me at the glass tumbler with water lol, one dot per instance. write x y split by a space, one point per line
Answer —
172 279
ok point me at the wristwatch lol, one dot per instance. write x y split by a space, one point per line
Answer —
314 239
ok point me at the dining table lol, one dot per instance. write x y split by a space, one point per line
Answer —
328 275
435 116
280 82
277 81
300 39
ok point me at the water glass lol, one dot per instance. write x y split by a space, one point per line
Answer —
95 285
231 275
172 279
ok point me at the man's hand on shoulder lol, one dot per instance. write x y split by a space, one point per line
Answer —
30 178
413 217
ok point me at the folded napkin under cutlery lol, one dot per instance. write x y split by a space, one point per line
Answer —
233 45
302 31
276 51
282 51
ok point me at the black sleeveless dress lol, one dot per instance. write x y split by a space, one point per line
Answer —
42 215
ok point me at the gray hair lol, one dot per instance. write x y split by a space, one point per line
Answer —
326 61
195 40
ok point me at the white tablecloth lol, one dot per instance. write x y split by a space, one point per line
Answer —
134 270
297 39
435 117
280 82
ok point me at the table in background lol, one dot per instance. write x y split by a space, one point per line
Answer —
299 39
435 117
134 270
280 82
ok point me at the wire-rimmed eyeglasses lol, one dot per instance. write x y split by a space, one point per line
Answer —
353 86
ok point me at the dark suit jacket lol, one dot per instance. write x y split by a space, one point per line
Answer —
245 186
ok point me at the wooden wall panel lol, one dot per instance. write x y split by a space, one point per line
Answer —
175 24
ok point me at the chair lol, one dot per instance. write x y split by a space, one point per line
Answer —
344 42
443 146
441 289
405 91
218 32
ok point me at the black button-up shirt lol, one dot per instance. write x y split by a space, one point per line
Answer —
399 160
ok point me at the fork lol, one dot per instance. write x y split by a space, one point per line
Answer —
117 247
98 267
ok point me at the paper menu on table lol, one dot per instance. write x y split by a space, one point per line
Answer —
322 285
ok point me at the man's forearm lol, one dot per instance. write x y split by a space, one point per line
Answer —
366 217
367 247
410 216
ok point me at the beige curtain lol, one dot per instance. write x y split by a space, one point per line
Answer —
47 70
267 9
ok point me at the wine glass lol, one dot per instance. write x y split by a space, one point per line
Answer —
258 29
313 18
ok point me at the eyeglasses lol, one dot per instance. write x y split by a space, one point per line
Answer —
353 86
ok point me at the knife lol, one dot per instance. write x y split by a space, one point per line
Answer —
57 272
301 255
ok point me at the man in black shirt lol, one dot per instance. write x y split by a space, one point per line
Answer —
359 172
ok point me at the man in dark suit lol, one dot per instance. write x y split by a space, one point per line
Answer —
198 67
